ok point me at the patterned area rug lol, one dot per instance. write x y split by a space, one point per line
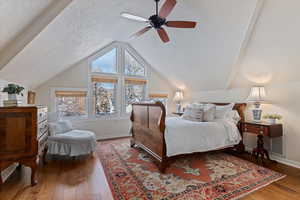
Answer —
132 175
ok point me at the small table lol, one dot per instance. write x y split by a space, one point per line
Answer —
262 129
178 113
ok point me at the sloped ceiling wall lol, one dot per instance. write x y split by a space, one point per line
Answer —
199 59
16 15
272 55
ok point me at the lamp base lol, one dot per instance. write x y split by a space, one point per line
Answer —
257 114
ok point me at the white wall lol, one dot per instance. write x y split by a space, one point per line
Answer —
270 59
77 77
283 99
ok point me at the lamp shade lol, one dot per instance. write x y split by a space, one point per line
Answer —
257 94
178 96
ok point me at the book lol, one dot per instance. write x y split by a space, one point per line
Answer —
12 102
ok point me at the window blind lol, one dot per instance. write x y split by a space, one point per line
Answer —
70 93
135 81
103 79
154 95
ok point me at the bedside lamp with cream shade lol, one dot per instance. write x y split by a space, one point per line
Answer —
178 97
257 96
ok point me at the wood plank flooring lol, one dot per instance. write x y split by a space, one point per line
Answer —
84 179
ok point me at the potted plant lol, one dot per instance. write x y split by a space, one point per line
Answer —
271 118
13 90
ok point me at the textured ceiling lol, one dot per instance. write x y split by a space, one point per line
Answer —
16 15
198 59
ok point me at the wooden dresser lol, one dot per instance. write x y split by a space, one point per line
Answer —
23 134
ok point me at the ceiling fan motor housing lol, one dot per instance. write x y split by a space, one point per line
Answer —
156 21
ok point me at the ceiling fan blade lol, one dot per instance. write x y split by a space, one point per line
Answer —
134 17
163 35
141 32
167 8
181 24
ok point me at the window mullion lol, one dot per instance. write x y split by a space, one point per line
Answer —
121 79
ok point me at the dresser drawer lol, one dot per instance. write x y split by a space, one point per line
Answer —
42 143
42 128
256 129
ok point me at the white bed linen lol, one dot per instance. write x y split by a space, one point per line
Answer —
184 136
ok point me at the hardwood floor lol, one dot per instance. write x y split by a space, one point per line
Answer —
84 179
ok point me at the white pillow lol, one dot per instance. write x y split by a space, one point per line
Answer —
193 114
195 105
233 116
221 111
60 127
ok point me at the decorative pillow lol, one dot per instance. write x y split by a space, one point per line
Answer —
209 112
221 111
193 114
233 115
60 127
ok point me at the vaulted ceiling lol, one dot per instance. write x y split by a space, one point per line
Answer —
16 15
58 36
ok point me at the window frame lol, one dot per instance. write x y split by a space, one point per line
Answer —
108 115
121 48
54 102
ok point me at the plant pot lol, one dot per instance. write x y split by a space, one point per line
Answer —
272 121
12 96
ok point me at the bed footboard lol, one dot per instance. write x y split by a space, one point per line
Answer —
148 127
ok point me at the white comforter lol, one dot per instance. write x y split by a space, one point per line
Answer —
183 136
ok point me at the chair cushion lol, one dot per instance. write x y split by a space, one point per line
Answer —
60 127
73 136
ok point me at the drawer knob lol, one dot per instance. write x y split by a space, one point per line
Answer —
261 132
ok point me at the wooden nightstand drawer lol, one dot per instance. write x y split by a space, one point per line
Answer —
263 128
256 129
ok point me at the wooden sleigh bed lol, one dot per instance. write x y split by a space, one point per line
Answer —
148 130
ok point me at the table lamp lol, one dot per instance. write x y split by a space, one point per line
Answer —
178 97
257 96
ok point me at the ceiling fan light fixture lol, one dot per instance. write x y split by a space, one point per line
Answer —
158 20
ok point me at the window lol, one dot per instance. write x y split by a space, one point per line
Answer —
118 78
134 92
105 90
71 103
132 67
106 63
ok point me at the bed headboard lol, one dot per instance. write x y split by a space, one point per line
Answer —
239 107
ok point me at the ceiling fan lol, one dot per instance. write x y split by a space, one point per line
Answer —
158 20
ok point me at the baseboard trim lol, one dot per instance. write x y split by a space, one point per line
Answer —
279 158
285 161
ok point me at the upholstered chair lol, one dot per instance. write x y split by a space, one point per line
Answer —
66 141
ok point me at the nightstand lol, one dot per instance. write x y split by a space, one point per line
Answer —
262 129
176 113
